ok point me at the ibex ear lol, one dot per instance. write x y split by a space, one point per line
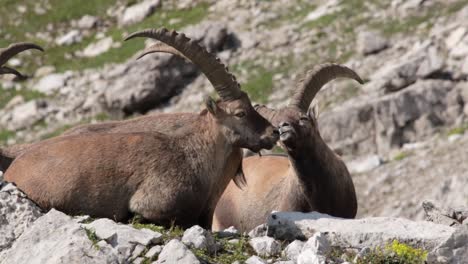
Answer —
211 105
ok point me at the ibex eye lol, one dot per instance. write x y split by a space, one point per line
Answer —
240 114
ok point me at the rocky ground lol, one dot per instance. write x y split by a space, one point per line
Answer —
402 133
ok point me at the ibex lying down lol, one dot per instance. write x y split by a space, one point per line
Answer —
162 177
310 178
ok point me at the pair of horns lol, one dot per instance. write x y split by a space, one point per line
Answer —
219 76
10 51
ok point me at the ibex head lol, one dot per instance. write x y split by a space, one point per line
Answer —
239 121
296 123
10 51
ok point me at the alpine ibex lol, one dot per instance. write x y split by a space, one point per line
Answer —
162 177
311 177
10 51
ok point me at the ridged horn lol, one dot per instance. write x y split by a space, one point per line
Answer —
315 79
161 47
222 80
265 112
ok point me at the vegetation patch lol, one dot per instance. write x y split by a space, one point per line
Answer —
230 252
7 94
395 253
401 156
5 135
25 26
458 130
92 237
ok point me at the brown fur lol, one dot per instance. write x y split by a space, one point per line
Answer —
310 178
176 176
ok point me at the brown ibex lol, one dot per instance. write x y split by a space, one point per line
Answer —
311 177
10 51
162 177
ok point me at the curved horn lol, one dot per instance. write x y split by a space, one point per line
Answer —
315 79
10 51
6 70
161 47
266 112
222 80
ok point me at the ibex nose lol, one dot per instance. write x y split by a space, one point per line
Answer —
284 124
276 131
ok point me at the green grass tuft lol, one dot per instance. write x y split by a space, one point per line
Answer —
395 253
5 135
7 94
401 156
92 237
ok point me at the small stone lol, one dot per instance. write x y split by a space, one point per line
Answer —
153 251
72 37
370 42
97 48
454 137
318 244
199 238
228 232
137 251
87 22
293 250
259 231
255 260
265 246
364 164
138 12
51 83
176 252
309 257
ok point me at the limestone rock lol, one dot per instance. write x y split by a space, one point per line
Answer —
57 238
199 238
265 246
17 213
357 233
176 252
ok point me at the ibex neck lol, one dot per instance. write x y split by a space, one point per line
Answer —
322 176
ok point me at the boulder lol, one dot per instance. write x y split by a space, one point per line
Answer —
255 260
24 115
357 233
98 47
453 250
17 213
293 250
57 238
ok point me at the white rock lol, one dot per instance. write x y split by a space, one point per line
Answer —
293 250
138 12
255 260
460 51
51 83
452 250
228 232
357 233
17 213
309 257
176 252
153 251
14 62
455 37
87 22
199 238
24 115
97 48
72 37
364 164
57 238
324 9
454 137
369 42
318 244
258 231
265 246
123 238
44 70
